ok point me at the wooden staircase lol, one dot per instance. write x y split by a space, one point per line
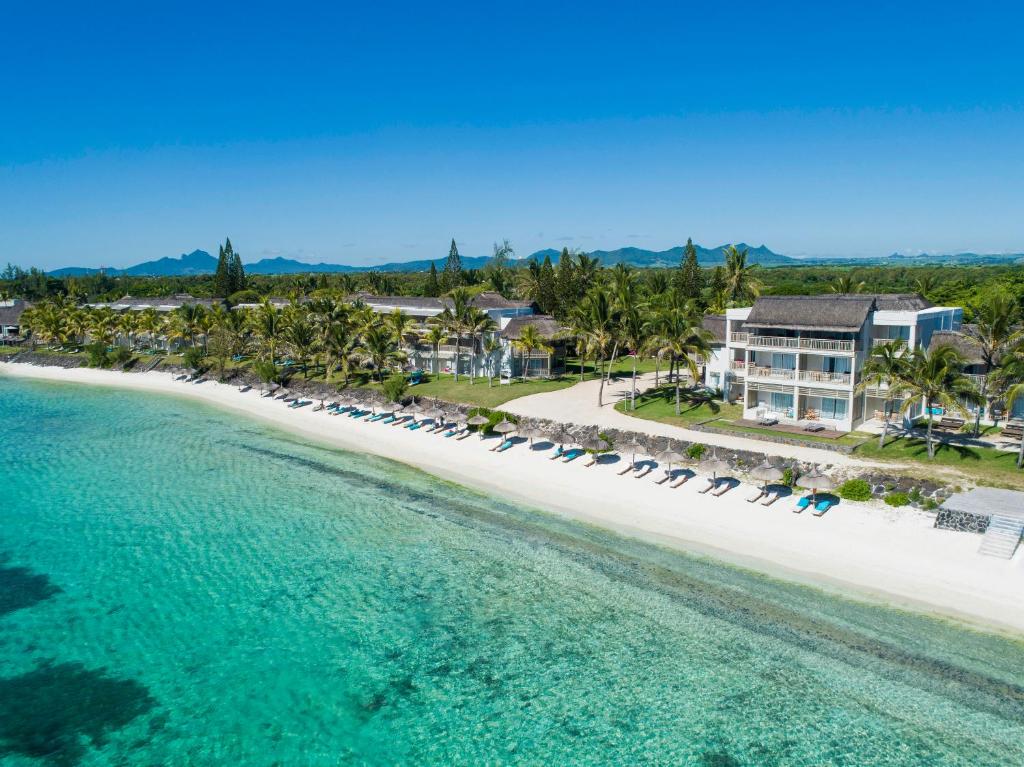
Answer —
1001 537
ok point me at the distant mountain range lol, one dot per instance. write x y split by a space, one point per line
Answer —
201 262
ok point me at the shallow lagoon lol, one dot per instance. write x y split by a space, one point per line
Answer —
183 586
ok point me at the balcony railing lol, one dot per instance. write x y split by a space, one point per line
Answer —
805 344
900 343
976 379
781 374
738 337
739 367
819 376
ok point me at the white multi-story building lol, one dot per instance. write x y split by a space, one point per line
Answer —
799 358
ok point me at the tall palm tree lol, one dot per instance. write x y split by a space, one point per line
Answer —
926 283
378 347
885 365
682 337
1012 375
596 320
268 325
436 335
490 348
102 325
454 317
529 341
190 316
300 339
150 323
995 332
740 282
632 318
935 377
398 322
478 324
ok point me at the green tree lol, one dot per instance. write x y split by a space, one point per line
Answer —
436 335
451 278
530 340
885 366
378 347
995 332
547 297
1012 375
479 324
432 286
454 317
300 340
222 277
690 278
740 283
236 272
935 377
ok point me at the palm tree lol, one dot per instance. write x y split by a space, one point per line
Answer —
596 319
529 341
378 347
935 377
632 318
926 283
1013 375
454 317
885 365
102 323
478 324
150 323
128 325
847 283
436 335
683 338
995 332
268 325
398 322
300 338
740 283
190 317
491 346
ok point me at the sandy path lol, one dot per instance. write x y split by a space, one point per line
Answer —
893 556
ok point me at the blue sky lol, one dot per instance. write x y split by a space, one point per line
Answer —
363 134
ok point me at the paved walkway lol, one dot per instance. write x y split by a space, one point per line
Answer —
578 404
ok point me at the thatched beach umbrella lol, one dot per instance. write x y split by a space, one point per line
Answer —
634 446
478 420
766 472
669 456
562 437
505 426
713 466
815 481
433 413
595 445
531 433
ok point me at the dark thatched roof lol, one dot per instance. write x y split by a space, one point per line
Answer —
960 340
715 325
10 311
547 327
839 312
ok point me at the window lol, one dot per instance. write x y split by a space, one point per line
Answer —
781 403
833 407
835 364
783 361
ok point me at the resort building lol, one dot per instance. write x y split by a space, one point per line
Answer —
797 360
540 363
966 343
10 318
161 304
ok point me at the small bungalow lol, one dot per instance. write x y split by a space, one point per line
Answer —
10 318
538 363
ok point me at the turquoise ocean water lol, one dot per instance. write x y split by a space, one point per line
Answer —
180 586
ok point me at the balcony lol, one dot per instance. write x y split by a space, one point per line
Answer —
802 344
818 376
900 343
738 338
739 367
779 374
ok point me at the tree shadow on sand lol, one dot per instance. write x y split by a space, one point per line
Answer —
58 710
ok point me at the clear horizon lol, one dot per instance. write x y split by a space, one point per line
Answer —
372 135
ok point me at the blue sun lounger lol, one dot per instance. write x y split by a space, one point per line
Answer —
378 417
561 452
802 504
502 447
415 425
572 455
822 507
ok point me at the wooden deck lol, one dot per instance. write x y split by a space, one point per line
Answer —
783 428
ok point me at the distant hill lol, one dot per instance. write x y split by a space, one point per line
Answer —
201 262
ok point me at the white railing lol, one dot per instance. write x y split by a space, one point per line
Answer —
818 376
739 366
782 374
900 343
738 337
808 344
976 379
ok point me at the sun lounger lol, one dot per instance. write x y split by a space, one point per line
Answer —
802 504
402 419
629 468
707 488
244 389
822 507
414 425
757 497
663 480
722 489
448 429
502 447
558 453
465 433
642 473
681 481
572 455
378 417
592 461
771 498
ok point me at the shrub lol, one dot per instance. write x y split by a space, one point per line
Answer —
120 356
493 417
929 504
788 477
855 490
98 355
244 297
395 386
897 499
915 495
194 357
696 451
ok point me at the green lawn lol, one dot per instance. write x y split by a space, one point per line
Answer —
659 405
479 393
984 465
853 438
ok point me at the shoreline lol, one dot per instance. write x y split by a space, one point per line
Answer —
860 551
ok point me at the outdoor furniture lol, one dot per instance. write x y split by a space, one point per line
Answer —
664 479
822 507
681 481
814 427
771 498
711 483
643 472
802 504
572 455
629 467
767 420
756 497
722 489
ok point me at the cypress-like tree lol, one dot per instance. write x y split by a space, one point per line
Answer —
690 279
222 277
432 288
452 276
565 285
548 288
236 273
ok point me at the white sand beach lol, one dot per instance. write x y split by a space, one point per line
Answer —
868 550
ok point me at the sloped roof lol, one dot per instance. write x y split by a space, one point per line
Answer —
164 303
962 341
715 325
485 300
840 312
490 300
10 311
548 327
